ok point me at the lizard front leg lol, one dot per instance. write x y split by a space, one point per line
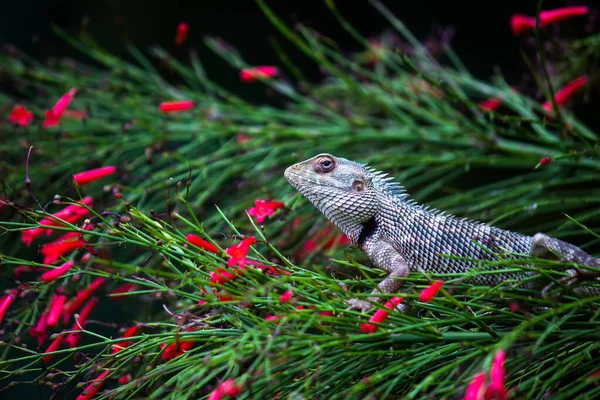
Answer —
383 256
545 246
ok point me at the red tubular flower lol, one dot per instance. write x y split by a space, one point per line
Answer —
39 331
560 14
65 244
83 296
520 24
91 389
226 388
183 30
249 75
20 115
56 308
264 208
221 276
119 292
128 333
497 376
238 252
286 296
176 106
55 345
56 273
92 175
5 302
71 214
53 116
476 389
203 244
380 315
490 104
125 379
563 95
430 292
73 338
545 160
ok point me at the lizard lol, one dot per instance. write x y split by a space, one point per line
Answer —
400 236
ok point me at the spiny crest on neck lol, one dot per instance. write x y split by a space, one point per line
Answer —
385 184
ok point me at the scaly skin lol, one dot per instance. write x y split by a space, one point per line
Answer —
400 236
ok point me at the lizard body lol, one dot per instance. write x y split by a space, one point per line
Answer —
400 236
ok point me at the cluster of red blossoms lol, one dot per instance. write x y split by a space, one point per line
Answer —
520 23
494 389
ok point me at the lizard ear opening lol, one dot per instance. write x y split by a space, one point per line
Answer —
358 186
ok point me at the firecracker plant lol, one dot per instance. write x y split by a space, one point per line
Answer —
151 248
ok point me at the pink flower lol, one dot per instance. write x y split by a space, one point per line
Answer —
73 338
497 376
203 244
563 95
476 389
430 292
53 116
183 30
20 115
226 388
176 106
264 208
286 296
93 387
380 315
248 75
83 178
522 23
124 379
5 302
56 273
39 331
238 252
54 346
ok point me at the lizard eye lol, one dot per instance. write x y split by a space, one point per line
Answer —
358 186
324 164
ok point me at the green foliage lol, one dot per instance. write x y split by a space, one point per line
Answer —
410 115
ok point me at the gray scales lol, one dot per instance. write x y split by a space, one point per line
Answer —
399 235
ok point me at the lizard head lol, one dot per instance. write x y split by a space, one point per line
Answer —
346 192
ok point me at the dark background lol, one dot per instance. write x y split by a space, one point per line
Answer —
482 39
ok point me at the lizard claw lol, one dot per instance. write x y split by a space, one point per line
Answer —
575 276
362 305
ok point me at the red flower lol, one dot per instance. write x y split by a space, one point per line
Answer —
92 175
476 389
56 308
238 252
56 273
53 116
128 333
73 338
54 346
271 317
83 296
490 104
248 75
429 292
221 276
286 296
63 245
563 95
119 292
226 388
182 32
71 214
39 331
5 302
497 376
93 387
124 379
264 208
20 115
380 315
560 14
545 160
521 23
203 244
176 106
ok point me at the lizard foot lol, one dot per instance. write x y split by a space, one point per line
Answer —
575 277
362 305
